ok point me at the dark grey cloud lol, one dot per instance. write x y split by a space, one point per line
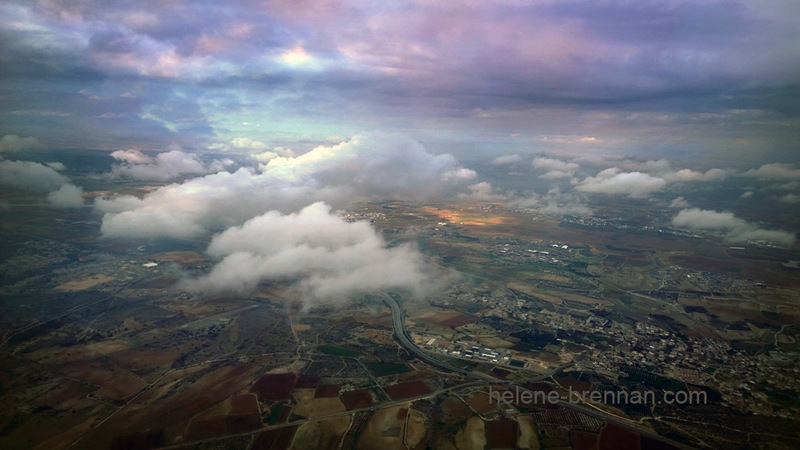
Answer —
679 76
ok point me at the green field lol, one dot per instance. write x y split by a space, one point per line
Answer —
336 351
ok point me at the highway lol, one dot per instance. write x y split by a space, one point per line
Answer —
399 324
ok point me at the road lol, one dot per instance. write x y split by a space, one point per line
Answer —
399 324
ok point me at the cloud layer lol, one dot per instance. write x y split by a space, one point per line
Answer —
330 257
164 166
738 230
612 181
369 165
629 75
39 178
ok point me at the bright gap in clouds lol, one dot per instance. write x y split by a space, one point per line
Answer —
297 56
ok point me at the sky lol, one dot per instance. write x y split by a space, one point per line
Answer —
707 80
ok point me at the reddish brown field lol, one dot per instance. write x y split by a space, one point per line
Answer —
357 399
613 437
652 444
583 440
306 382
576 385
244 404
448 319
240 424
327 391
275 439
407 390
139 441
276 386
501 433
459 320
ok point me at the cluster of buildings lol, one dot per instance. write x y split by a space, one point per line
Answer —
468 351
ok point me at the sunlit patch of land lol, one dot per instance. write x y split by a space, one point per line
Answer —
83 284
471 218
182 257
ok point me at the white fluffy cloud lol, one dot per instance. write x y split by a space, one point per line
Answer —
709 175
164 166
554 203
507 160
738 230
612 181
707 219
330 257
67 196
459 174
678 203
482 191
370 165
555 167
14 143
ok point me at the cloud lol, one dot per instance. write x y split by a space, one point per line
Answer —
132 157
258 150
56 166
612 181
329 257
774 171
459 174
708 220
67 196
791 186
248 143
369 165
218 165
601 66
164 166
30 176
738 230
678 203
658 166
790 198
14 143
555 167
40 178
385 164
554 203
506 160
709 175
482 191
